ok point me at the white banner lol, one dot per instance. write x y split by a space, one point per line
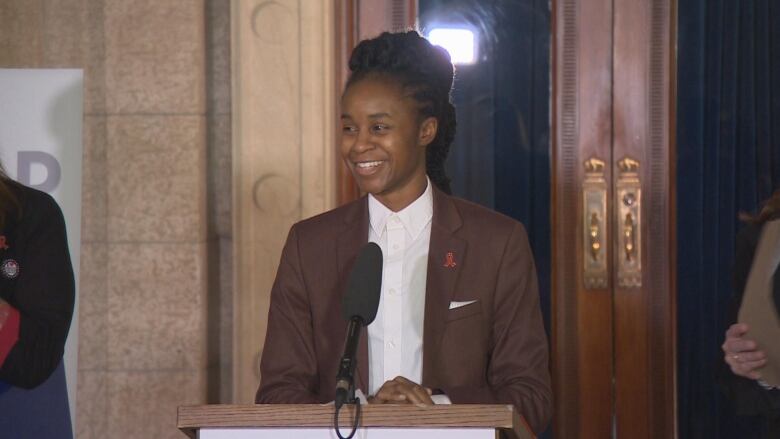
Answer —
41 113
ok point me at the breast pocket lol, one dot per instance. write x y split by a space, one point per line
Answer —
461 312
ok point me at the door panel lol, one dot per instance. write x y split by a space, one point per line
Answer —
644 315
614 369
582 318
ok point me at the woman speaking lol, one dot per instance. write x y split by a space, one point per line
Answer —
458 319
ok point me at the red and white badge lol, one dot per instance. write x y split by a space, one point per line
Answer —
9 269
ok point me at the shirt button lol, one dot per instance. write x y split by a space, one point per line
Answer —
395 246
391 344
392 291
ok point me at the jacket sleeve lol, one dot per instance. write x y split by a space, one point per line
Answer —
288 367
44 295
748 396
518 370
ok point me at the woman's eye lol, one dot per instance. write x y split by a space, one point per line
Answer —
348 129
379 128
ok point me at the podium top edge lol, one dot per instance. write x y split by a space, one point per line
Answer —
321 415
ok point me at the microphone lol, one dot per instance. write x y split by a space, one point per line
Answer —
359 307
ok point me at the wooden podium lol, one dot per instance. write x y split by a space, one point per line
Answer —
377 421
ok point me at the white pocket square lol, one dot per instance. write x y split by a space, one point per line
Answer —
454 305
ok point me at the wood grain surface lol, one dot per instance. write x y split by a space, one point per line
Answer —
191 418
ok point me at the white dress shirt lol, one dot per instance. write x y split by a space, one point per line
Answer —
395 338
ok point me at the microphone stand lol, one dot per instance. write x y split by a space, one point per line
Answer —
345 379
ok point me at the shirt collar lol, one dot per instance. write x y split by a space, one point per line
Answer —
414 217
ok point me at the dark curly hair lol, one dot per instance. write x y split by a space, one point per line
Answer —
427 72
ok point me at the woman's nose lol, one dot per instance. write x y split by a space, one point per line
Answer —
362 141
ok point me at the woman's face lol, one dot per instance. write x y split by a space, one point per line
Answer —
384 139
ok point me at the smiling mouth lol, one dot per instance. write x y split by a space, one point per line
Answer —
367 168
368 165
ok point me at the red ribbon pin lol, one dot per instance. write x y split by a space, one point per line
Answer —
449 260
3 244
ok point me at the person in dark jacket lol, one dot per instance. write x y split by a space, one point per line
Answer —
742 355
37 293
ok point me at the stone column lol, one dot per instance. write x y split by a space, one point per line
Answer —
153 308
142 326
283 149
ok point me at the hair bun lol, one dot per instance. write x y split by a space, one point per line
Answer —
407 53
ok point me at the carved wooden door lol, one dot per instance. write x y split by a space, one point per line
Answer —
613 235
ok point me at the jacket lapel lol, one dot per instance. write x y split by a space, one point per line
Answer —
350 241
445 255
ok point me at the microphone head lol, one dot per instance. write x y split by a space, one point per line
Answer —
364 285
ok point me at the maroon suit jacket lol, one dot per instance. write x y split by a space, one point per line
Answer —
493 351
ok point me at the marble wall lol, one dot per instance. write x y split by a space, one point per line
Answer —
157 109
185 207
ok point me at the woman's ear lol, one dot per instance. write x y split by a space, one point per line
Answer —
428 130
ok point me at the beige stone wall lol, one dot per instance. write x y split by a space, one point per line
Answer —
166 315
143 296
